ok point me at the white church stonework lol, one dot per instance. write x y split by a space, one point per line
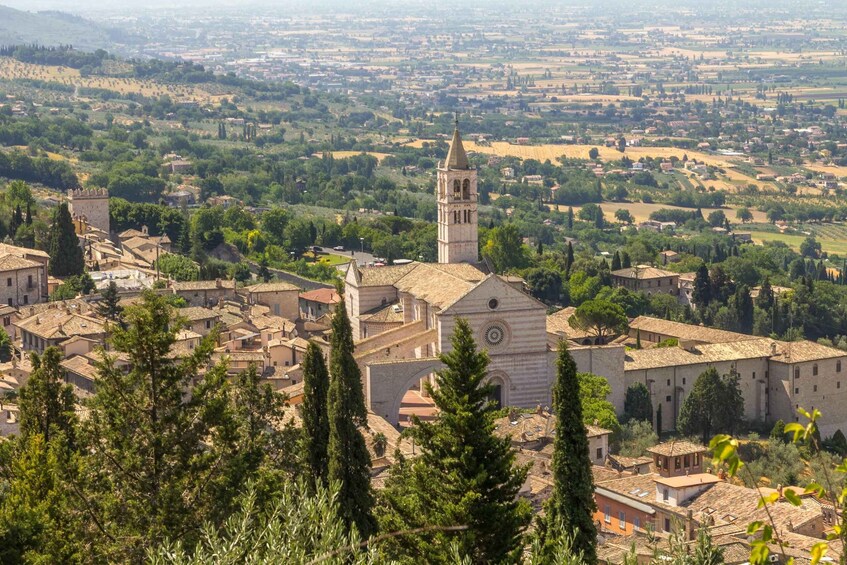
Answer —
416 307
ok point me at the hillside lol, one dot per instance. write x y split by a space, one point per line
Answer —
51 28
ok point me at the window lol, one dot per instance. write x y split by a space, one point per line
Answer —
208 324
466 189
665 494
669 382
838 366
696 459
599 453
815 370
796 372
686 462
837 385
9 281
815 388
658 462
10 302
7 320
796 391
683 381
29 281
667 524
608 514
636 523
622 520
754 375
677 464
26 299
668 398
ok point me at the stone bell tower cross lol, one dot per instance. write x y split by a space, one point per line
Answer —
457 206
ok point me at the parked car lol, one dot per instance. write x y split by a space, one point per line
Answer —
338 248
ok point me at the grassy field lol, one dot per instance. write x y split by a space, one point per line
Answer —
830 242
641 211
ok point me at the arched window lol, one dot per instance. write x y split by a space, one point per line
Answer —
457 188
466 189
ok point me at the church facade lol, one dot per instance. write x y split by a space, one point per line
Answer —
403 316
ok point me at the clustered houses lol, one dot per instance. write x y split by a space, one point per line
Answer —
681 494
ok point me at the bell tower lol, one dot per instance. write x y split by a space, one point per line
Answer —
457 206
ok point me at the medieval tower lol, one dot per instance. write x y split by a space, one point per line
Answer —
92 204
457 206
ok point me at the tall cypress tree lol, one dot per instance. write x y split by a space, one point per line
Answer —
349 459
314 414
465 475
616 261
66 257
571 505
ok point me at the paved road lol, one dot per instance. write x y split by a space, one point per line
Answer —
361 258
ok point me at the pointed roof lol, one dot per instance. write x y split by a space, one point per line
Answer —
456 156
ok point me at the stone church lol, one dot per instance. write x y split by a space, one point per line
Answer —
403 316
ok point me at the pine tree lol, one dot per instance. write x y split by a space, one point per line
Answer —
156 465
349 459
571 505
66 257
46 402
314 414
109 306
464 476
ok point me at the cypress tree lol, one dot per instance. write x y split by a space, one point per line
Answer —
314 414
571 505
616 261
66 257
570 256
626 262
464 476
28 219
570 217
349 459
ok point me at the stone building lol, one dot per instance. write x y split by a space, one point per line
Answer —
281 297
404 316
776 377
91 204
648 280
23 275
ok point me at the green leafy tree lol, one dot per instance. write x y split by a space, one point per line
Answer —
299 525
637 404
599 317
636 437
778 431
505 249
571 504
66 256
5 347
314 414
177 267
714 405
349 459
465 476
594 392
744 214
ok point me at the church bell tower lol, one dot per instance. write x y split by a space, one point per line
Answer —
457 206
